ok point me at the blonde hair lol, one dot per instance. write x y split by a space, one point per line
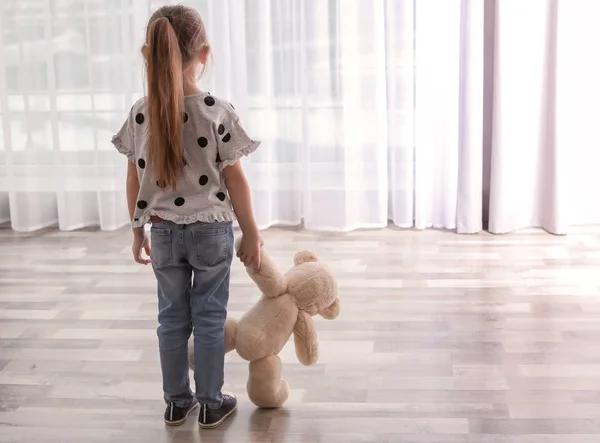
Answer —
175 36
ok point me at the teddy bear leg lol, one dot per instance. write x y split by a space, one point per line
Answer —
266 388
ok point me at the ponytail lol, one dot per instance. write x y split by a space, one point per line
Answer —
165 103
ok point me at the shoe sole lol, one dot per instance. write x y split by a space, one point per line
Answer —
182 421
218 423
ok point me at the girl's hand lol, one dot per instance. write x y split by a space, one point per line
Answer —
141 242
249 252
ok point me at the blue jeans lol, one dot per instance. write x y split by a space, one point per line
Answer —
192 267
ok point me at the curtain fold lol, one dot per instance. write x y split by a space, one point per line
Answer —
421 113
436 112
576 114
470 164
525 172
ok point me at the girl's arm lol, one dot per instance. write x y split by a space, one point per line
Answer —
140 239
241 200
133 188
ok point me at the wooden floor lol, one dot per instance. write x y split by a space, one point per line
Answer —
442 339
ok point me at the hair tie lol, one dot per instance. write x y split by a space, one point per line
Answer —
170 18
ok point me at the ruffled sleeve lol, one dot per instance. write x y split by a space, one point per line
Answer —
232 140
124 139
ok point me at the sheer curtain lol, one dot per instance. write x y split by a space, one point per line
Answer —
317 74
544 149
68 70
358 126
425 113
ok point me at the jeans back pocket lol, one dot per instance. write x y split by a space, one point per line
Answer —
161 248
213 245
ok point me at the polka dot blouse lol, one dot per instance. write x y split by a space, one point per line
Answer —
213 138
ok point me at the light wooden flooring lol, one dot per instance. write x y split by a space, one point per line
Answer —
442 339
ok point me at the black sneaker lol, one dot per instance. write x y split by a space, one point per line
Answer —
211 418
175 416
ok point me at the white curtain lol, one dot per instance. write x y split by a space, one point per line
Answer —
425 113
545 150
68 69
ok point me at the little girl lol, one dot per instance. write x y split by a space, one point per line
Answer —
184 177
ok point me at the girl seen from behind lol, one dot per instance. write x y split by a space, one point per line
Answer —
185 179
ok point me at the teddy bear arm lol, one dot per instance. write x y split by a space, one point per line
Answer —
306 339
269 280
231 325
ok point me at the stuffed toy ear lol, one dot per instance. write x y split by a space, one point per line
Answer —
269 280
331 311
305 257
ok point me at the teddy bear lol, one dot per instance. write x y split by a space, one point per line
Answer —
286 307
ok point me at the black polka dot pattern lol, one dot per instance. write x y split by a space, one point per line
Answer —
206 138
221 131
